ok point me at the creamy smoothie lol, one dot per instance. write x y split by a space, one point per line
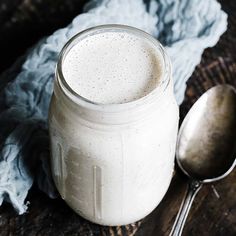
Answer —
113 125
113 67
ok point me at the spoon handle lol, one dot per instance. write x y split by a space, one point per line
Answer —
193 188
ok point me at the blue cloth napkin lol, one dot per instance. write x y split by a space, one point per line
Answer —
185 27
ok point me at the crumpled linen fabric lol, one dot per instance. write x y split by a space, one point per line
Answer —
184 27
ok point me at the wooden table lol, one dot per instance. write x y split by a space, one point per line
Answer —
214 209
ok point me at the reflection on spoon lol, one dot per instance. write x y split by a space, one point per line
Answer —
206 144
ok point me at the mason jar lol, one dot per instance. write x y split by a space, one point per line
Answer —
113 163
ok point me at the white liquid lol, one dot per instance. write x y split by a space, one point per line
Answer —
108 168
113 68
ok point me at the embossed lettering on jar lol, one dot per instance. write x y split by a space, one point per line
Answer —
113 124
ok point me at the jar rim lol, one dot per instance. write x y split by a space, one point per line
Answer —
84 102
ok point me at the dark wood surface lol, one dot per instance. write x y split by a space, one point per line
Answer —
24 22
213 212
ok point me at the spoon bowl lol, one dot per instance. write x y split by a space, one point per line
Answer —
206 144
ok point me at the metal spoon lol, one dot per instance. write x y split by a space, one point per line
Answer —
206 144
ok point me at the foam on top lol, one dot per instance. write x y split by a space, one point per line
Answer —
113 67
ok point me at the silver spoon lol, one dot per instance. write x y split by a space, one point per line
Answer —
206 144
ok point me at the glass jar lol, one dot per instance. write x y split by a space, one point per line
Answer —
113 163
